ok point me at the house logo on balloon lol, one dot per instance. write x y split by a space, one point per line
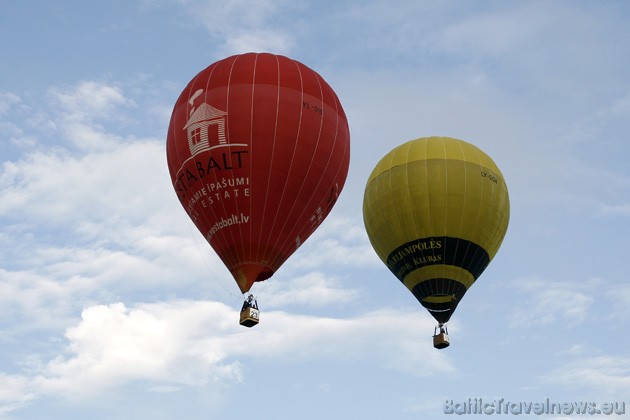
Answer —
205 127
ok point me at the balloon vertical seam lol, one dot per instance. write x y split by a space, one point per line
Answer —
304 178
273 152
295 146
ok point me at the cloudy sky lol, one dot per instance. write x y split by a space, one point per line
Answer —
112 305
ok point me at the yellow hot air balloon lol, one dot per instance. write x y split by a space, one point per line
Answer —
436 210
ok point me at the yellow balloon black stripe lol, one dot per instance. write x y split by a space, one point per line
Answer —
437 250
450 291
440 296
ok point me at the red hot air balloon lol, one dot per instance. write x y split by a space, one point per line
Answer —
258 149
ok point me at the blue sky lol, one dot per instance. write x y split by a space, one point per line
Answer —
113 306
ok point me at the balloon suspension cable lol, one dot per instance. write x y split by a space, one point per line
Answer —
206 262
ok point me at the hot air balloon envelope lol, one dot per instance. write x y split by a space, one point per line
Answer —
436 210
258 149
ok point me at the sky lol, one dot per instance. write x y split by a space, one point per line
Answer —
113 306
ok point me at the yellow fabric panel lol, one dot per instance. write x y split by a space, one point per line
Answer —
439 299
433 148
443 271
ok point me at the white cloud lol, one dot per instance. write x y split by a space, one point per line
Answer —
89 100
491 33
615 210
98 223
192 343
14 392
17 115
246 26
381 337
161 342
82 108
49 284
128 181
544 302
39 301
111 180
267 40
312 289
339 241
607 375
96 220
7 100
619 296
